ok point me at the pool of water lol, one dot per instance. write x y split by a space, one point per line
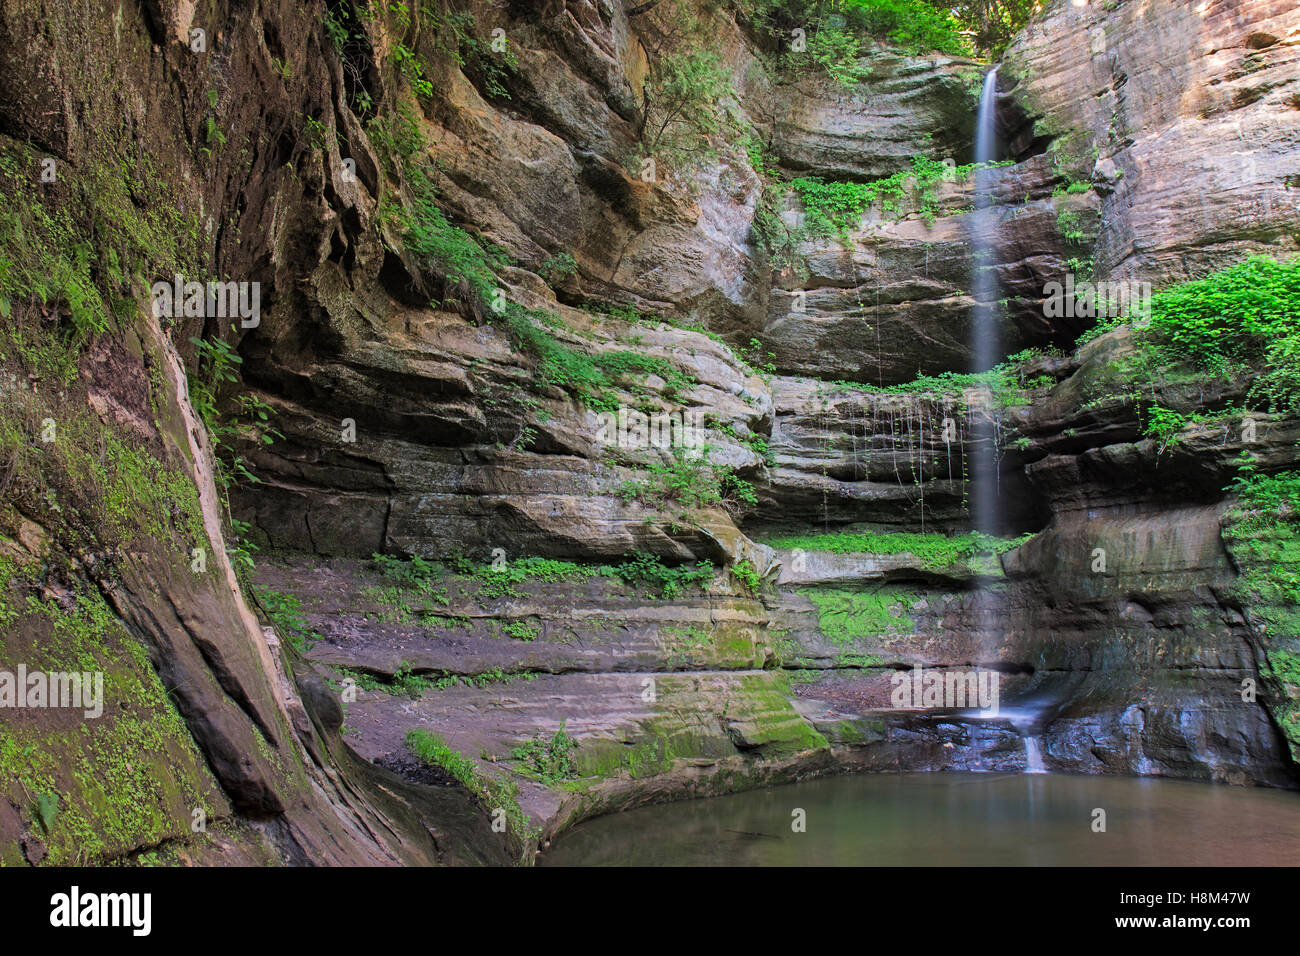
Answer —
951 819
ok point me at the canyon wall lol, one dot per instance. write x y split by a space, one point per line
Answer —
405 417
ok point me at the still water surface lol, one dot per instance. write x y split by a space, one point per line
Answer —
952 819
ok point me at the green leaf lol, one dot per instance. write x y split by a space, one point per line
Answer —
47 809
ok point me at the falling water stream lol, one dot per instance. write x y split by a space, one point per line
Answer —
985 346
986 352
1033 756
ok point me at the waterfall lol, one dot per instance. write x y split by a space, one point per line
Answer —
1033 756
984 339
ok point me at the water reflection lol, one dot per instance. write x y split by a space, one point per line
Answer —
953 820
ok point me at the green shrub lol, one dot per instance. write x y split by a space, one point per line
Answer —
285 612
1164 424
1246 314
549 759
521 630
747 575
689 481
1238 322
558 268
416 573
442 247
913 25
839 52
669 582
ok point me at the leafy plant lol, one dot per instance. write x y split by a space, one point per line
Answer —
217 365
689 480
839 52
521 630
416 572
558 268
1241 318
410 66
442 247
747 575
913 25
1164 424
285 612
549 759
669 582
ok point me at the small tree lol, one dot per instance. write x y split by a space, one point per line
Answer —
687 102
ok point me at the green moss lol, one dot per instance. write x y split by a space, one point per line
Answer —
845 617
836 208
88 482
767 719
639 570
846 732
1262 531
723 645
753 715
603 759
935 551
128 778
107 229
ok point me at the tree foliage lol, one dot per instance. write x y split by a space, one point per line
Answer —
919 26
686 104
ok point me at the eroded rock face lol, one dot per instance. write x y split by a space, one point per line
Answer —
891 301
1191 139
846 455
908 105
